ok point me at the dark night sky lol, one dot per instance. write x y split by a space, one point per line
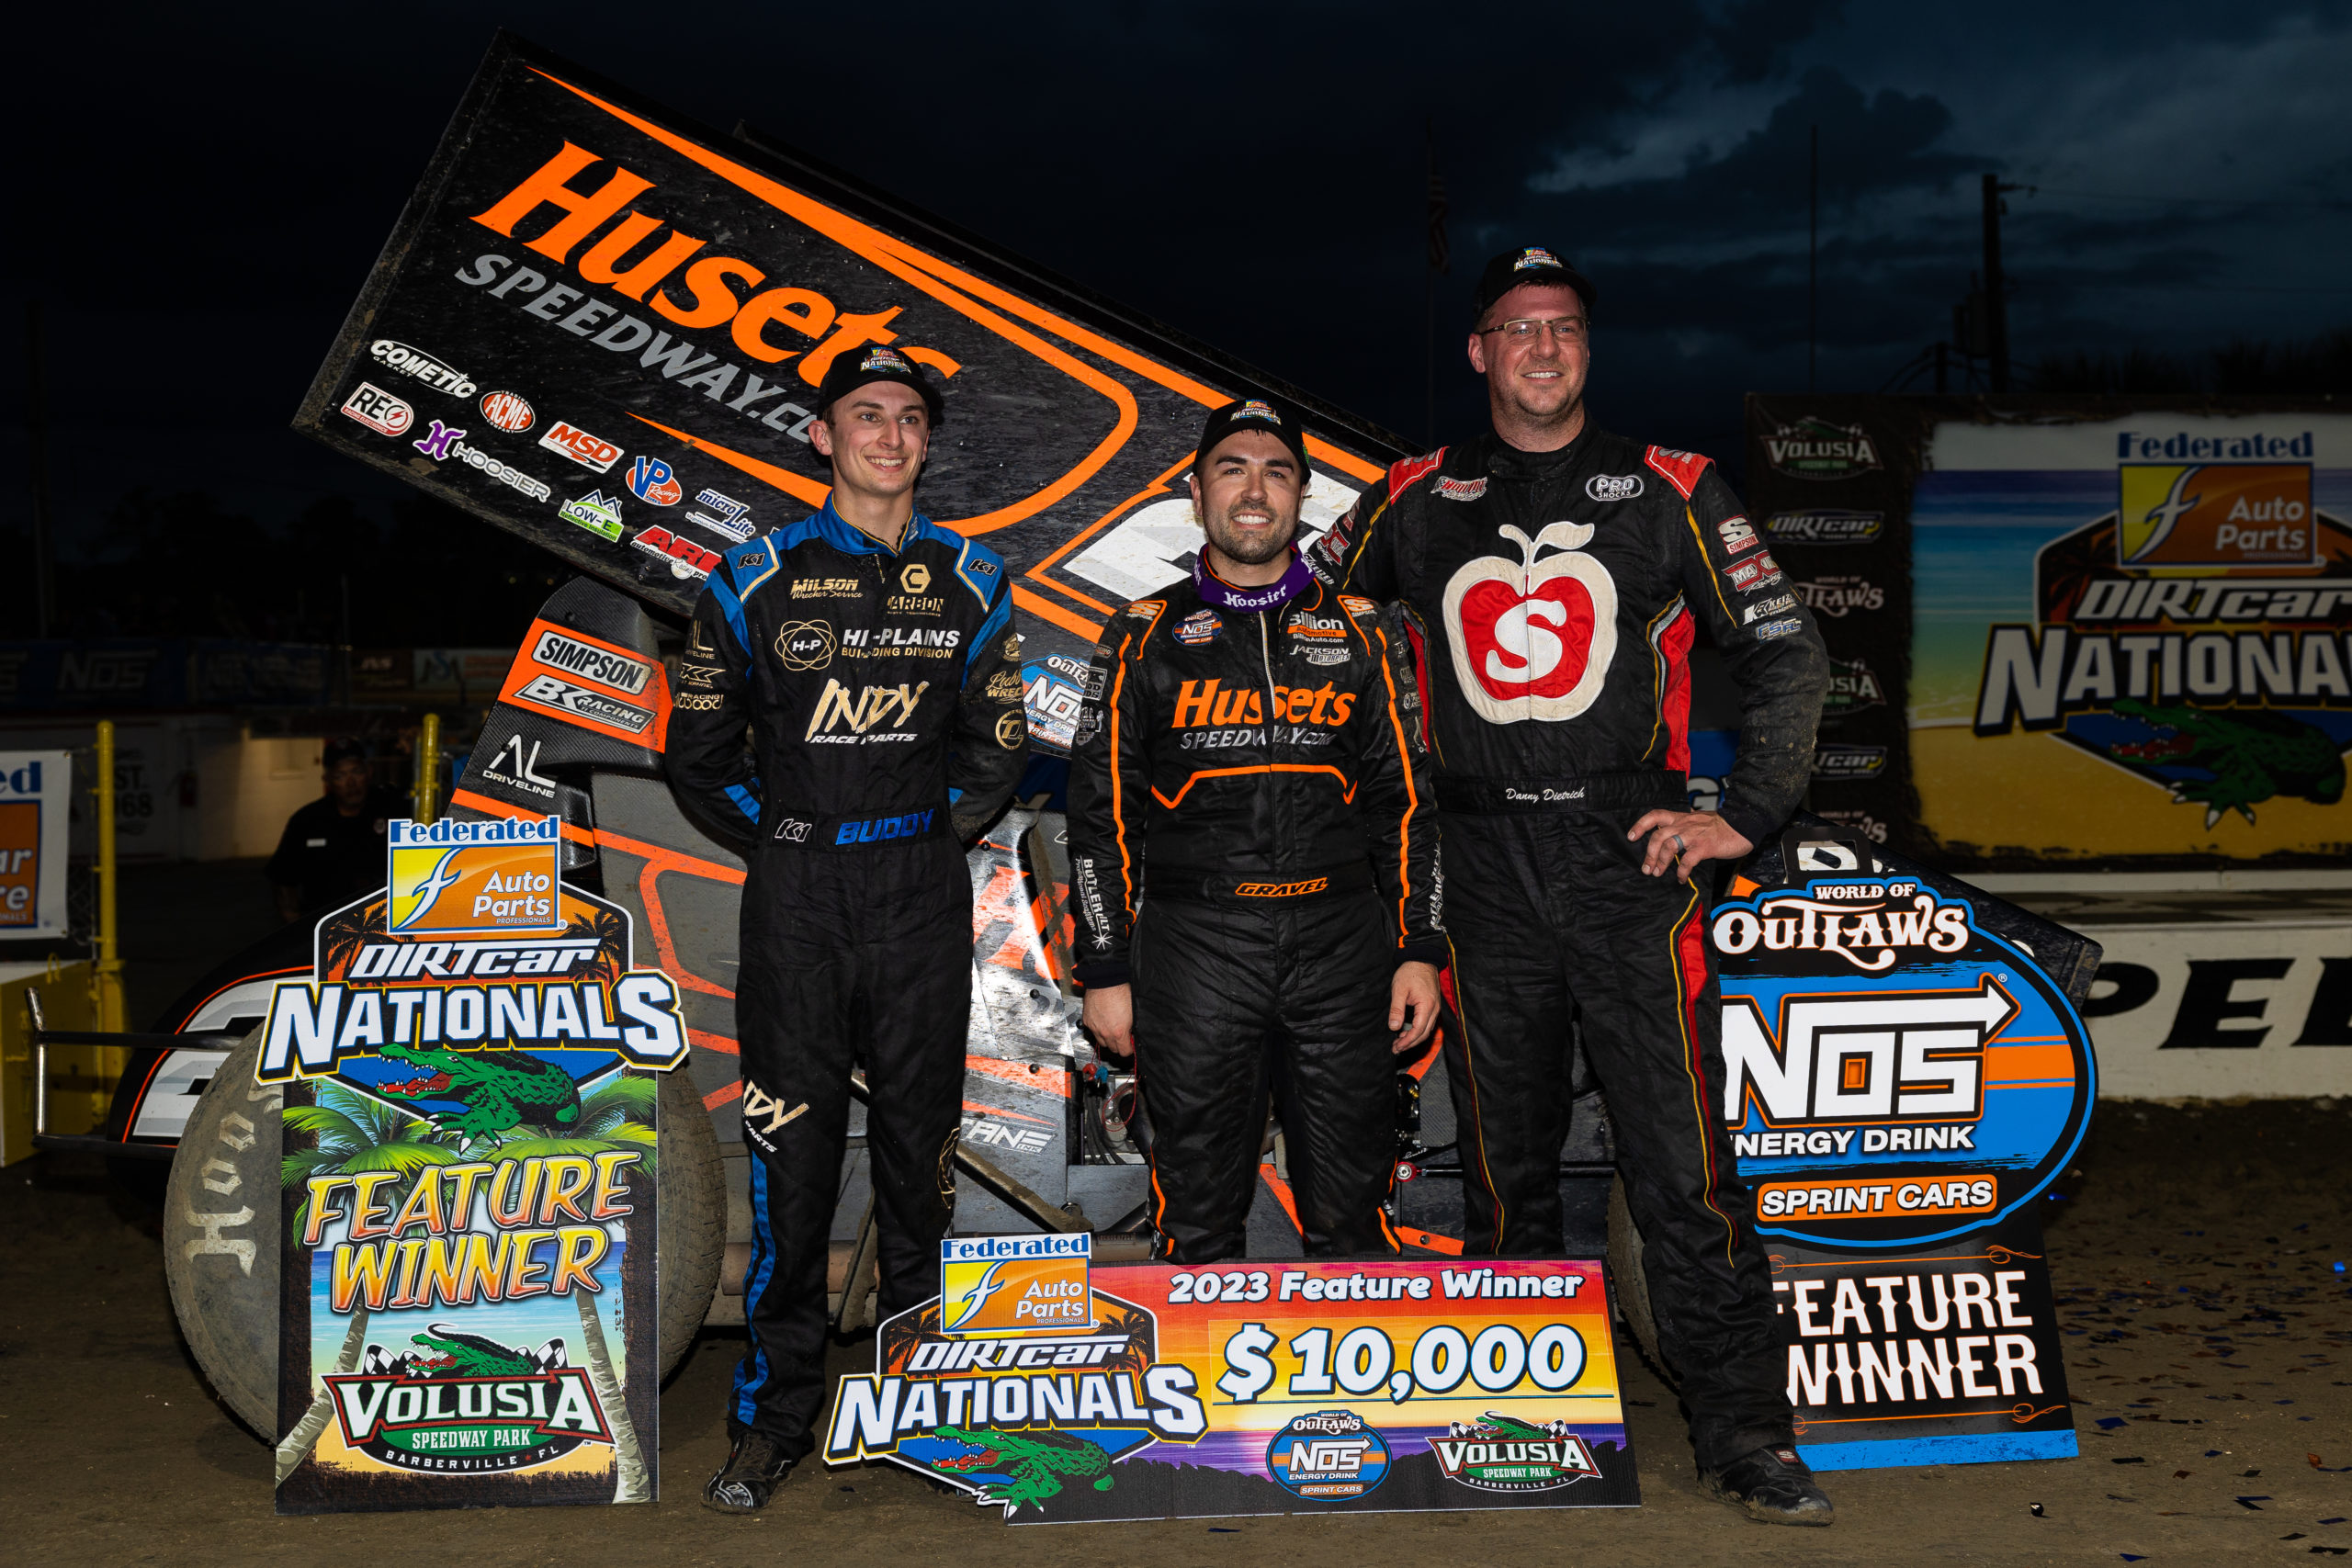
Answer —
196 200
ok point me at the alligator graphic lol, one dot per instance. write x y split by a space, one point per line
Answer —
1038 1462
502 1089
1494 1428
460 1354
2252 753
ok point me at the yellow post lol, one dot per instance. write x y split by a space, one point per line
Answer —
109 967
428 767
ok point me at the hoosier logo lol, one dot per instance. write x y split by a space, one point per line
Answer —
1502 1453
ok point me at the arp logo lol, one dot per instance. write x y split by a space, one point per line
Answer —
1014 1284
2215 514
449 877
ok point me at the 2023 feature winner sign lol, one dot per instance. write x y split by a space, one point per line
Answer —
602 327
1901 1084
469 1141
1259 1388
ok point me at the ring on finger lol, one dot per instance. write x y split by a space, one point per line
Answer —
1681 849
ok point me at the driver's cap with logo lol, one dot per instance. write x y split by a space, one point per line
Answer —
1529 263
878 362
1252 414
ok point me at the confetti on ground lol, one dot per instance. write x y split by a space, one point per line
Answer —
2135 1458
2250 1502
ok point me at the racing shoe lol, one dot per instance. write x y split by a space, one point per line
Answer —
1773 1487
755 1467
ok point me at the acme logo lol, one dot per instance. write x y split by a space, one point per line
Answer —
838 708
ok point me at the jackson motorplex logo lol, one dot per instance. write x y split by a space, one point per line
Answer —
1893 1072
2195 637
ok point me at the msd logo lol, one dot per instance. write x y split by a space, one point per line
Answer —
588 451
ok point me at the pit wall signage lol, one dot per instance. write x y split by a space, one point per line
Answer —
36 809
1901 1087
2132 634
470 1153
603 326
1057 1391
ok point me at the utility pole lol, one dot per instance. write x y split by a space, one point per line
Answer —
1996 304
45 544
1813 263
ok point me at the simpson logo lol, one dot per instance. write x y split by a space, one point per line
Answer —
650 479
1736 535
455 878
1613 486
684 557
596 512
588 451
2215 514
1849 762
1458 490
1824 528
507 411
580 702
415 362
1503 1453
1814 448
1016 1284
590 661
378 410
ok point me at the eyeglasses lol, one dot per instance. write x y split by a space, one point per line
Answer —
1524 329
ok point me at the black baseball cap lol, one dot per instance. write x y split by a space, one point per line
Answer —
876 362
1254 413
1530 264
342 749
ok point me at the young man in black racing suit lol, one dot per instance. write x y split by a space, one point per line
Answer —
1250 845
872 654
1559 575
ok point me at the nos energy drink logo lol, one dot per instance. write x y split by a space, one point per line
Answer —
448 878
1894 1073
1012 1284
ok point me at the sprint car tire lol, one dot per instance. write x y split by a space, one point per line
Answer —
1630 1287
220 1236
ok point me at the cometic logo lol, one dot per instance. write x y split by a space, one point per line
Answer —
423 366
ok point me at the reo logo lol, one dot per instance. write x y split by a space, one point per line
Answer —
591 662
1533 639
378 410
588 451
1613 486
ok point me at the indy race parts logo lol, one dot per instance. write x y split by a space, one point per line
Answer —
1503 1453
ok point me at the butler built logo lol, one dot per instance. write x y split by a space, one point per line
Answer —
1015 1284
450 877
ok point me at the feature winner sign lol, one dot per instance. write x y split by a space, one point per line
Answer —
1901 1084
1060 1392
469 1134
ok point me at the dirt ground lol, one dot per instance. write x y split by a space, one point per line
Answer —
2196 1254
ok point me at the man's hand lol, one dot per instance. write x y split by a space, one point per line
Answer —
1412 1000
1108 1016
1683 838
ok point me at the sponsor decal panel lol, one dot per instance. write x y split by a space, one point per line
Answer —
651 480
378 410
1058 1389
507 411
683 557
596 512
588 451
591 683
722 514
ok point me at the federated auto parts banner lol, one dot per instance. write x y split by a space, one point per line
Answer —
1162 1391
469 1145
36 806
602 326
2124 623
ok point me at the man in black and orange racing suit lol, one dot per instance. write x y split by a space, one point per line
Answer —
1251 847
871 654
1558 575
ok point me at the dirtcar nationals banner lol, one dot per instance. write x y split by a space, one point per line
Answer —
1161 1392
470 1143
602 326
1903 1082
